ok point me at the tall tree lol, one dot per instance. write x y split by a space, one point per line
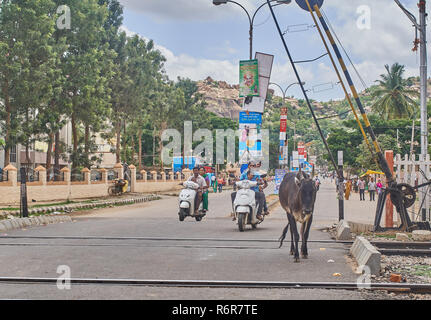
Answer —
394 100
25 64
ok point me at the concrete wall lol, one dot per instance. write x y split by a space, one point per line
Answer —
62 190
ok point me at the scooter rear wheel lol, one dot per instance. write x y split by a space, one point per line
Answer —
198 219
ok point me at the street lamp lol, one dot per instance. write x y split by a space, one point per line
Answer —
288 87
250 18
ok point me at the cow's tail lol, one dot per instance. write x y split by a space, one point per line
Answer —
283 236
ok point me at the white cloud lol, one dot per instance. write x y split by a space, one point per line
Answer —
186 66
185 10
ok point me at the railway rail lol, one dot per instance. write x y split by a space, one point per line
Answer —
397 287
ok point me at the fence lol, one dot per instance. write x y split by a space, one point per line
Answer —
55 185
415 170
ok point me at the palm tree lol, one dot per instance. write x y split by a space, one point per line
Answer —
394 100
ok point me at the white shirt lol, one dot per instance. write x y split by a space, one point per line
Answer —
199 180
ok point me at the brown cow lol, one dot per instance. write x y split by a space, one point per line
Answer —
297 195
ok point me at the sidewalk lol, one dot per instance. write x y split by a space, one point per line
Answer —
354 209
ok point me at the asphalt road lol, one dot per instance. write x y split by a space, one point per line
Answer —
245 257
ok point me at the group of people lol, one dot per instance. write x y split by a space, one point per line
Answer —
205 181
361 185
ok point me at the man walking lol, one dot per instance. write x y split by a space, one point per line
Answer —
361 186
372 189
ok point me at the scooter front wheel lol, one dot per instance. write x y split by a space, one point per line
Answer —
242 221
182 215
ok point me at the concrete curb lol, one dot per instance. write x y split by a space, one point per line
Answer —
359 228
20 223
75 206
366 254
343 231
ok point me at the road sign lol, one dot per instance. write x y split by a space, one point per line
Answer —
251 117
303 4
340 158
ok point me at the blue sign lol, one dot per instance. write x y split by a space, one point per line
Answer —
251 118
303 4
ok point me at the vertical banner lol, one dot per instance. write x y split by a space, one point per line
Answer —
248 78
284 153
265 62
250 138
279 176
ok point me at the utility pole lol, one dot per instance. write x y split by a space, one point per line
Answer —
421 27
424 78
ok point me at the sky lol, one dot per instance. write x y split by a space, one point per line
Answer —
200 39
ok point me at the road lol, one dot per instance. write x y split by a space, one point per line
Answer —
245 257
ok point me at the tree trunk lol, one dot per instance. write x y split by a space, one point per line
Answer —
140 150
124 143
49 152
57 154
163 127
8 123
75 141
133 149
87 139
87 144
118 144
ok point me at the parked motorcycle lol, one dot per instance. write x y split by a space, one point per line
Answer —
244 205
187 202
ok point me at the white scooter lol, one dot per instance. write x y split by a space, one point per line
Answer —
187 202
244 205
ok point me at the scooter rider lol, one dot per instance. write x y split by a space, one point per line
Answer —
259 196
196 178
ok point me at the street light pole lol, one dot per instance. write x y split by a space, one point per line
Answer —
250 18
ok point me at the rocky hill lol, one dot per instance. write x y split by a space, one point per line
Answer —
221 98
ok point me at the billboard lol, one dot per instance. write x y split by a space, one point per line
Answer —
265 62
248 78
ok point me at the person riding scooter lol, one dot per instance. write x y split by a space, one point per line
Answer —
259 196
196 178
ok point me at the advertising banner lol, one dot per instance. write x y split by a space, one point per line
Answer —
248 78
251 146
279 175
265 62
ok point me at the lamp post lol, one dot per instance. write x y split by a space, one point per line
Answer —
284 98
288 87
250 17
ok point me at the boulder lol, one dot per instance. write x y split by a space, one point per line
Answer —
421 235
402 237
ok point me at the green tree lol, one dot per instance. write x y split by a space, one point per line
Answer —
394 100
25 62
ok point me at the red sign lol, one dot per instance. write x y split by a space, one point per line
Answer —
283 120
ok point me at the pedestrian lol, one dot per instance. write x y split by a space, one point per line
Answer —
372 189
220 183
348 189
361 186
379 186
205 193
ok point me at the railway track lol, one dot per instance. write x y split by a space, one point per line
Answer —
384 247
394 287
391 248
